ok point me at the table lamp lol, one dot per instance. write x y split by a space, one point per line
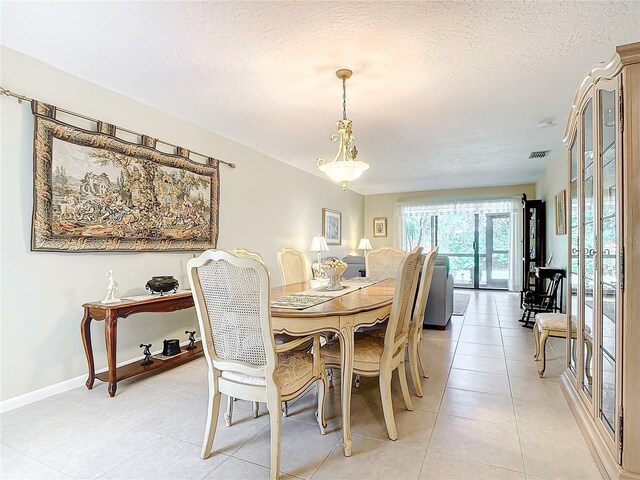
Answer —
318 244
365 245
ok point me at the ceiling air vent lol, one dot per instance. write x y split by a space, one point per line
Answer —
540 154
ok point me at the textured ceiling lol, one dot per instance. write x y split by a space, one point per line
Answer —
444 94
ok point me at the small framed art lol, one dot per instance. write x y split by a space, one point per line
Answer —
380 227
332 226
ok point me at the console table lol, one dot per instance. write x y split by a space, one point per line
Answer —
110 313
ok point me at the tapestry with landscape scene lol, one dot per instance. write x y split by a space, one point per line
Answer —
94 191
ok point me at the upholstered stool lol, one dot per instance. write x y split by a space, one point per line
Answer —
555 325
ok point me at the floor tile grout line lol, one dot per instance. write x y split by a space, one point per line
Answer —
439 414
515 414
36 459
327 456
151 446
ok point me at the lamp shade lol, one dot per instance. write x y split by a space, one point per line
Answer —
364 244
344 170
318 244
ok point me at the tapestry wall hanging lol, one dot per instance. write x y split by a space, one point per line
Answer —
95 191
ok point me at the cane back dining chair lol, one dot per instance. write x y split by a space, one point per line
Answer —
231 297
383 262
293 266
280 339
417 362
376 356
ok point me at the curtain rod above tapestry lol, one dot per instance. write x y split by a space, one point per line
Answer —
21 98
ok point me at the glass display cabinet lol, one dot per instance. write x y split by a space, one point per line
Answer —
533 245
602 380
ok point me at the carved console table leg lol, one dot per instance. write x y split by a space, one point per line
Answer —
85 331
111 337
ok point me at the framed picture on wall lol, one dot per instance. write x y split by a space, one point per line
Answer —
332 226
561 213
380 227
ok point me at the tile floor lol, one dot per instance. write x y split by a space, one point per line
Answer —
485 414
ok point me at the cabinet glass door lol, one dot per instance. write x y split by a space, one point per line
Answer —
608 279
589 243
574 264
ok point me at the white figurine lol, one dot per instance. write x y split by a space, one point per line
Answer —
112 289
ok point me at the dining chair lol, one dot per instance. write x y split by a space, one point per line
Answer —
280 338
417 361
293 266
231 297
383 262
376 356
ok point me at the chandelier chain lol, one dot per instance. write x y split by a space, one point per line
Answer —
344 98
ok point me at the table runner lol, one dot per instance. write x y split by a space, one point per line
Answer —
316 296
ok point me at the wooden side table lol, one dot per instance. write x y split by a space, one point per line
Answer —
110 313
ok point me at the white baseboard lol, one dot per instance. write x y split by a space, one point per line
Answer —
61 387
41 394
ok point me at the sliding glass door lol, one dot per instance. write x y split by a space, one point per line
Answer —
457 237
498 250
478 245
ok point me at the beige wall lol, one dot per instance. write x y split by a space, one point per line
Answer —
384 205
265 205
554 180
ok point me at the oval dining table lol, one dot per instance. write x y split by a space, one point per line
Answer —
342 315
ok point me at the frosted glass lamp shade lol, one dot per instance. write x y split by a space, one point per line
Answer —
365 244
344 171
318 244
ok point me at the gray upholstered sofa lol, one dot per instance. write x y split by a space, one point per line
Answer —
355 264
440 301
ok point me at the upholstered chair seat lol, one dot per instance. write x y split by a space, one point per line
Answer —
367 353
293 370
555 325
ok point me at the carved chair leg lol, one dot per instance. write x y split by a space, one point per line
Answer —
404 387
228 416
321 386
587 363
357 381
422 362
256 409
285 409
330 377
212 418
414 366
387 404
536 338
543 351
273 405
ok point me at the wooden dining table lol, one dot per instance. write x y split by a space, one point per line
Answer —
342 315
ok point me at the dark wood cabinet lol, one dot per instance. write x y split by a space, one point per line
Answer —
533 245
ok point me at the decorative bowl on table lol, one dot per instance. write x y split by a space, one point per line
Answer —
334 269
162 284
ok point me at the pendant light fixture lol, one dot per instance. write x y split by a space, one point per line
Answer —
344 167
